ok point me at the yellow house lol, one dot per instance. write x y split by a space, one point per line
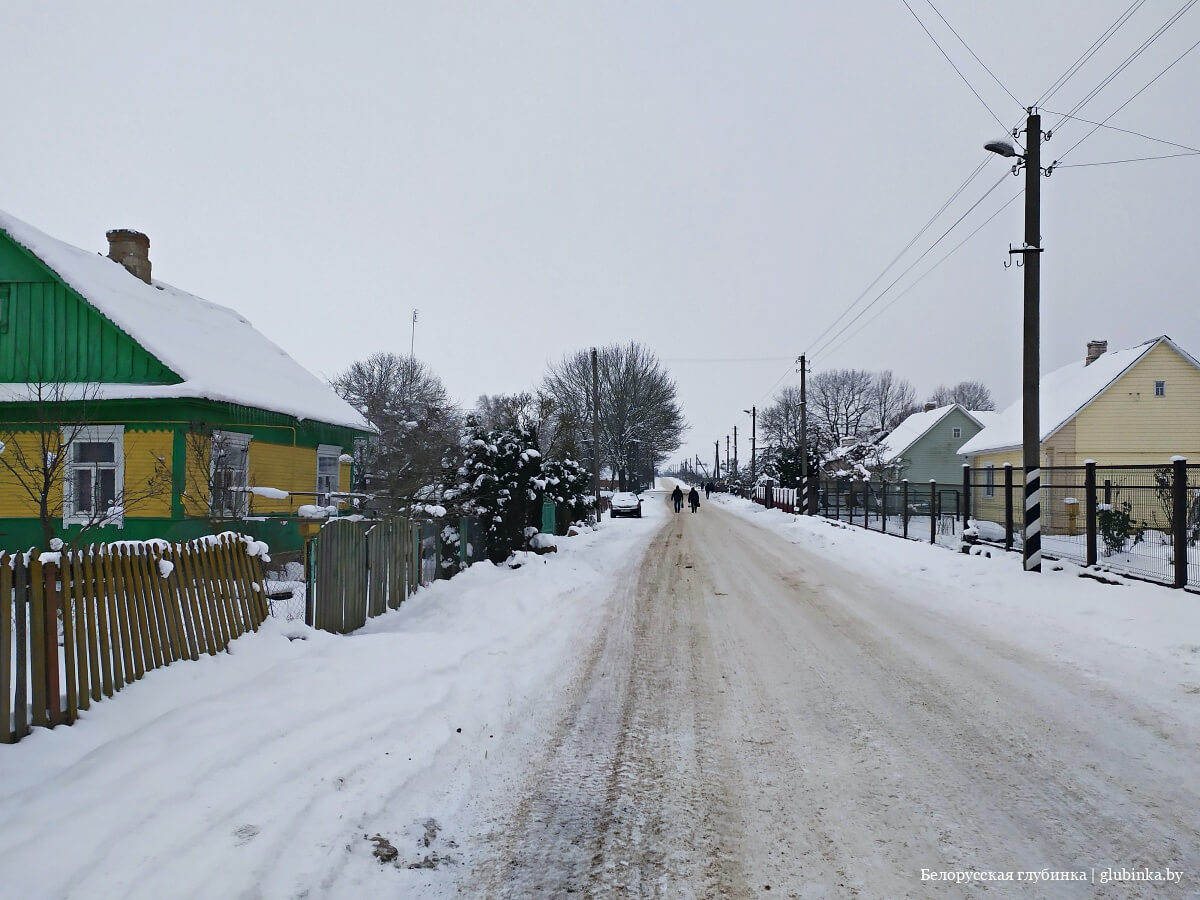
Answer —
1132 407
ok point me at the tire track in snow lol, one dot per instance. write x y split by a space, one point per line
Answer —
633 796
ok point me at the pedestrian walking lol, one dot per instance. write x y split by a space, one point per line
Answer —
677 498
694 499
707 489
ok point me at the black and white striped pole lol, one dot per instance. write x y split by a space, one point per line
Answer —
1030 252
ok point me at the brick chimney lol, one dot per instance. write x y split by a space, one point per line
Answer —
132 250
930 406
1096 349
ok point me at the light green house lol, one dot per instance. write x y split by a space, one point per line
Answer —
925 445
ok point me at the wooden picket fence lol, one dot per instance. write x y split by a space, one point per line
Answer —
119 611
360 570
359 574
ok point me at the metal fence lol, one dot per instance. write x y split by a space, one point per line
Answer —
1128 519
916 511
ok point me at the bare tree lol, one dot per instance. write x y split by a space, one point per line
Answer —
536 410
971 394
840 403
66 468
417 422
892 400
217 475
641 422
779 422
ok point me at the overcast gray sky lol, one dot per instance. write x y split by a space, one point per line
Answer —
718 180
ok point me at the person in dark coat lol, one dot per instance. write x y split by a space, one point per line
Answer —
707 489
677 498
694 499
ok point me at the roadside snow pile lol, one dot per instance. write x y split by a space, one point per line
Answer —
266 768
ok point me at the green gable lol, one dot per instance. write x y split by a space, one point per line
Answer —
935 454
49 333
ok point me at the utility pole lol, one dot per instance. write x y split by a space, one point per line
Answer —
735 461
753 441
804 434
728 468
717 459
413 340
596 430
1031 250
1031 438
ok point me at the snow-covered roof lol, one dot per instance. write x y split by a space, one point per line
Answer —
916 427
1063 395
218 353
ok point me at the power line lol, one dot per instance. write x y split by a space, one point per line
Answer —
952 64
916 237
926 273
1124 131
1087 54
1113 162
977 59
1140 90
927 251
1162 29
726 359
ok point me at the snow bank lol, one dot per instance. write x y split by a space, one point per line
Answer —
261 772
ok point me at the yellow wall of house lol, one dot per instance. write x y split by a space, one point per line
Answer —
344 477
991 509
148 473
1128 425
286 468
147 487
15 501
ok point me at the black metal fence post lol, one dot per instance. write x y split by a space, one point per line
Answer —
1089 490
1179 518
1008 507
904 500
883 510
933 510
966 502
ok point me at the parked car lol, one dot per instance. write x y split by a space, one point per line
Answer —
625 503
721 487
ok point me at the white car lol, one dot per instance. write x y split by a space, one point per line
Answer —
625 503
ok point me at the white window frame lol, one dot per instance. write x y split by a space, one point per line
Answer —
989 480
1160 389
86 434
241 442
325 451
956 432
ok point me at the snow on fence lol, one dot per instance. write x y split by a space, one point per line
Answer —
787 499
76 626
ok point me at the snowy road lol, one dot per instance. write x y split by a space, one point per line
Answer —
681 706
752 717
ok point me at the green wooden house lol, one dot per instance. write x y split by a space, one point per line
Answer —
925 445
134 410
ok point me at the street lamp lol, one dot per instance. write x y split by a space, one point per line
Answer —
1030 251
753 411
